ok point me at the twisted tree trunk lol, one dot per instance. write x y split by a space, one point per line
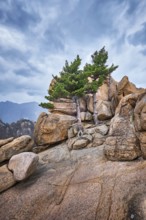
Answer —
78 110
80 127
95 114
109 87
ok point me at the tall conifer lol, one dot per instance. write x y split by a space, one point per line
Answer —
98 71
69 84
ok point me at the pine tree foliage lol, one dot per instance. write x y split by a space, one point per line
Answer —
98 71
46 105
71 82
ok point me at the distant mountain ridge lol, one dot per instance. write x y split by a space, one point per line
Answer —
16 129
12 112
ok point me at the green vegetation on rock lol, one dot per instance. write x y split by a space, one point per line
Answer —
98 71
74 83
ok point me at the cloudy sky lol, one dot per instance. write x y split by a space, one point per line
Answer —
37 36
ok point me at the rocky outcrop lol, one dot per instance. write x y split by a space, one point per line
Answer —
84 187
16 129
19 168
106 100
18 145
122 143
125 87
77 179
90 137
23 165
140 122
52 128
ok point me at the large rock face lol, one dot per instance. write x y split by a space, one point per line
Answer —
140 122
89 188
106 101
77 179
125 87
122 143
52 128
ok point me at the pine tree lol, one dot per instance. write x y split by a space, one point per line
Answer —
98 71
70 84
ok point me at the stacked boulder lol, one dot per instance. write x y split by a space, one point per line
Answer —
122 142
21 163
127 138
121 112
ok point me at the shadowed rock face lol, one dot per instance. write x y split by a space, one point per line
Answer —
122 143
140 122
89 187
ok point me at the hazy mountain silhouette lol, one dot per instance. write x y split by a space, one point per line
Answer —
12 112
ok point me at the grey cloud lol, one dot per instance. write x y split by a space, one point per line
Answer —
25 72
53 39
50 31
132 6
14 14
12 54
139 38
143 52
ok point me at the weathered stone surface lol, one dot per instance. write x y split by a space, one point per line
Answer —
23 165
123 143
5 141
75 129
104 109
140 113
142 139
80 143
125 87
102 129
105 98
117 148
67 106
6 178
18 145
89 188
86 116
90 103
55 154
70 142
52 128
140 122
98 139
81 155
51 86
